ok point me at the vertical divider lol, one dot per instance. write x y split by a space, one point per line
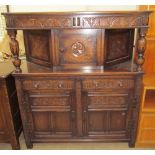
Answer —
78 108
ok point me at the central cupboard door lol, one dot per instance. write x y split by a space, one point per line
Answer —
52 114
77 47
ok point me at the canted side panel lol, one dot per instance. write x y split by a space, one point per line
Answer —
37 44
118 46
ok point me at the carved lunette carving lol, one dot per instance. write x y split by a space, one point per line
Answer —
84 21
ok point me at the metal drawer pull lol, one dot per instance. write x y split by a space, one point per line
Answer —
60 85
96 84
120 84
123 114
36 85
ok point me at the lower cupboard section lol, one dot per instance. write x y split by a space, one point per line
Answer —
99 126
73 110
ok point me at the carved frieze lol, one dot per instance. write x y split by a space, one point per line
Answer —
115 21
107 100
100 20
51 101
42 21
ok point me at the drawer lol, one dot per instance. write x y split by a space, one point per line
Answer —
48 84
108 83
147 121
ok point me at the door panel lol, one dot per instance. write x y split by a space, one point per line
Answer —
41 121
53 122
97 121
118 120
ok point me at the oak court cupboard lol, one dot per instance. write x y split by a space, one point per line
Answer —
82 78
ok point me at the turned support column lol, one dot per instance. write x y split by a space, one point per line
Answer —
14 47
141 46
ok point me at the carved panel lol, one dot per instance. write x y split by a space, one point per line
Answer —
108 83
107 101
116 21
77 46
37 46
100 20
119 45
50 100
42 21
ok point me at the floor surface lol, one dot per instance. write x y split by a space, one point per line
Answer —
70 146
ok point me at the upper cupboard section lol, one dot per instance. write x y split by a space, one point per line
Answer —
76 48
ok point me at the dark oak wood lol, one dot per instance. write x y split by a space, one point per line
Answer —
10 121
81 80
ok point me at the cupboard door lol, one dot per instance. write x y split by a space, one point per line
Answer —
52 114
38 46
105 115
77 47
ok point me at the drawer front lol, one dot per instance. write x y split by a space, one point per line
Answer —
108 83
147 121
48 84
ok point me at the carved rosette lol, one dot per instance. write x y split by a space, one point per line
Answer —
141 46
14 47
78 49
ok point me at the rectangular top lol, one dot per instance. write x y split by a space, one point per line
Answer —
99 19
79 12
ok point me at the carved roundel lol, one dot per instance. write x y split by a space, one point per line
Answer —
78 49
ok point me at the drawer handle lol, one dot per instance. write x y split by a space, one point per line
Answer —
36 85
60 85
61 50
96 84
120 84
123 114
